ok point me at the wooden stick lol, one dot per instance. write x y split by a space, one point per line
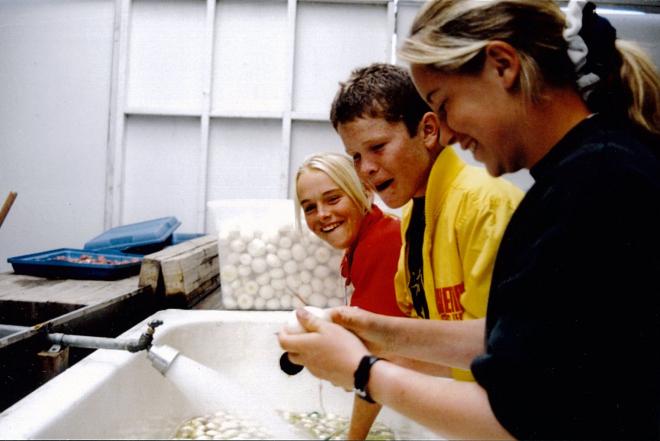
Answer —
297 296
6 206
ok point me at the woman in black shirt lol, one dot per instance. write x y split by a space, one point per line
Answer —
572 328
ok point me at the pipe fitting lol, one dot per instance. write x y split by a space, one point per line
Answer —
162 357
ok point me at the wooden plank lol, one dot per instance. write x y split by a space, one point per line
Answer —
16 287
186 271
190 269
6 206
150 271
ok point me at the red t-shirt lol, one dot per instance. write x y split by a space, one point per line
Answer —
370 264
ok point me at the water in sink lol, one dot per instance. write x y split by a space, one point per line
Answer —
236 414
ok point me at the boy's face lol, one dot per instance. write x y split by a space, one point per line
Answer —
387 157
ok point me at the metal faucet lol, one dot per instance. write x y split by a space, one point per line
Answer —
144 342
162 357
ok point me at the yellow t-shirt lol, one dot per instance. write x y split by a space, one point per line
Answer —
466 213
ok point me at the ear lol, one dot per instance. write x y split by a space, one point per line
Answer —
503 59
429 129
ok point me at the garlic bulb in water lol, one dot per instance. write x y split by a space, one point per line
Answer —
220 425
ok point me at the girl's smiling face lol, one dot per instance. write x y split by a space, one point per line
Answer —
329 212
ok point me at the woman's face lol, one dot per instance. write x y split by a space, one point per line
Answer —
329 212
477 111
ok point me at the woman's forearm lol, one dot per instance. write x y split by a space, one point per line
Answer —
450 343
453 409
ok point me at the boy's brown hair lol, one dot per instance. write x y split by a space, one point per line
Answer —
379 91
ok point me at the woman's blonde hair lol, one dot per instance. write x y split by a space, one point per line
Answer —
340 169
450 35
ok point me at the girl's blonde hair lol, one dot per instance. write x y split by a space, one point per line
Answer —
450 35
340 169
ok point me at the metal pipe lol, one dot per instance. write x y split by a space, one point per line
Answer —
11 329
83 341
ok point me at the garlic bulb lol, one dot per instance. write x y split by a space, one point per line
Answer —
266 292
259 303
293 326
298 252
256 248
321 271
273 304
273 261
251 287
318 300
322 255
245 301
258 265
263 279
290 267
278 284
284 254
244 271
228 273
309 263
220 425
245 259
237 245
270 264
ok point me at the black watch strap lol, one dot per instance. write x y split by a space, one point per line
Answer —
361 377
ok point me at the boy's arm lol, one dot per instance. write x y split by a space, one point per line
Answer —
363 417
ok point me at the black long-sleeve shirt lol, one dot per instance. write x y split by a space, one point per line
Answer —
572 328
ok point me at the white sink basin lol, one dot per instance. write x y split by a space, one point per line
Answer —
116 394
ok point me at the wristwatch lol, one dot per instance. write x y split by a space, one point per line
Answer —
361 377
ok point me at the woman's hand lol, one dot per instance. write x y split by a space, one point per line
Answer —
373 329
327 350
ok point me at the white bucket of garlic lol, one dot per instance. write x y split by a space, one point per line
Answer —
267 263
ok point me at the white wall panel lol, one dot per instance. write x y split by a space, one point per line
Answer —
55 74
244 160
161 172
332 40
166 56
250 56
307 138
642 28
405 15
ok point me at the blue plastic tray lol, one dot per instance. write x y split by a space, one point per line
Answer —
182 237
66 263
139 238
